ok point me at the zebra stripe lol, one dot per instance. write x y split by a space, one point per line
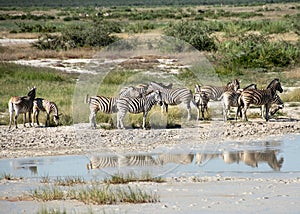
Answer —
40 104
201 100
104 104
174 96
231 99
21 105
260 97
137 105
98 162
215 92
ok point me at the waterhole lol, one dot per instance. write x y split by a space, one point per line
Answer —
264 157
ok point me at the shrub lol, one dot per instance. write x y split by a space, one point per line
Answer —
97 35
256 51
195 33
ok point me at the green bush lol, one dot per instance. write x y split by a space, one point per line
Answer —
257 51
194 33
99 34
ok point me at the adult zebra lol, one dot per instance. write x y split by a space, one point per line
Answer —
21 105
215 92
259 98
201 100
175 96
137 105
107 104
276 104
231 99
40 104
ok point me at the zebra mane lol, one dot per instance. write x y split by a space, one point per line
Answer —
271 83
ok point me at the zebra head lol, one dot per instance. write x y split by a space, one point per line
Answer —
277 104
158 97
32 93
56 119
234 85
275 86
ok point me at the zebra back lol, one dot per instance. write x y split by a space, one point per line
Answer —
102 103
137 105
215 92
173 96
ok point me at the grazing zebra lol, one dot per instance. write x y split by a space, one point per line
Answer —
230 99
107 104
259 97
276 104
40 104
174 96
269 157
137 105
215 92
104 104
21 105
201 100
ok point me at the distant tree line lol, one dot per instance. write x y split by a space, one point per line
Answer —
112 3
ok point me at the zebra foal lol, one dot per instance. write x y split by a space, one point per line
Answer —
40 104
259 98
137 105
21 105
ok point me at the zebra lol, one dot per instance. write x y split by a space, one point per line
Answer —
175 96
137 105
201 100
183 159
276 104
140 160
259 97
40 104
105 104
230 99
21 105
215 92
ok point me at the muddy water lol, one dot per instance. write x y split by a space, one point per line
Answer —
272 158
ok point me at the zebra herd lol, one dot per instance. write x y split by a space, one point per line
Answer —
141 98
31 105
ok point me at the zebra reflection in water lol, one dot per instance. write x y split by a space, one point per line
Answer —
140 160
250 158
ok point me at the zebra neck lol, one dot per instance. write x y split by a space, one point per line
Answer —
54 109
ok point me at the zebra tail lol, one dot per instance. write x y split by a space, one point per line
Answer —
87 99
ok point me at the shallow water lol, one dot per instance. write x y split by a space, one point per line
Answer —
272 158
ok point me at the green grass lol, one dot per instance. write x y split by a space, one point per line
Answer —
132 177
96 194
51 84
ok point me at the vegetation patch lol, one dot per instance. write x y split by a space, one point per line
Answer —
132 177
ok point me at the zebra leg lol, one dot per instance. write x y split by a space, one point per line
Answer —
47 120
202 111
24 119
92 119
29 118
244 112
16 119
37 118
267 106
189 111
120 117
144 119
10 118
